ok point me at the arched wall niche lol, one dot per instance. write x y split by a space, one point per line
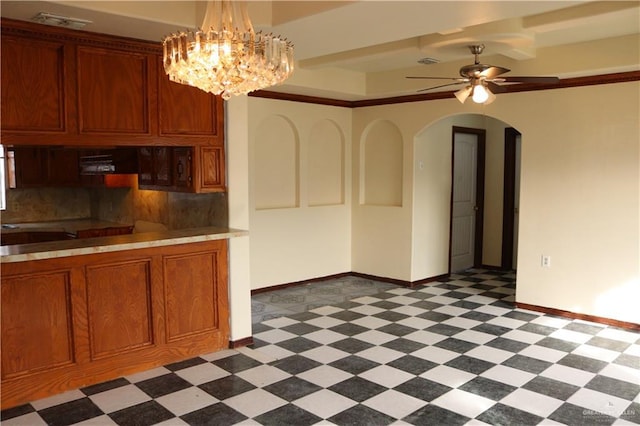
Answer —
326 164
381 165
276 164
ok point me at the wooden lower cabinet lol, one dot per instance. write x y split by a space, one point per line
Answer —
75 321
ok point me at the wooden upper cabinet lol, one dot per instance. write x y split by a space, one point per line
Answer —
46 166
33 85
182 168
155 167
30 166
145 166
113 91
63 167
188 111
210 169
75 88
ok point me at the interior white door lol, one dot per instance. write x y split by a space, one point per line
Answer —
516 202
463 215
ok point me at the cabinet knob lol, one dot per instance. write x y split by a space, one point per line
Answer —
180 168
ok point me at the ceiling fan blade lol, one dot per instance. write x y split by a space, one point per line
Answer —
442 85
463 94
539 80
493 72
436 78
495 88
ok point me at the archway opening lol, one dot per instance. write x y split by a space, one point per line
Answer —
433 186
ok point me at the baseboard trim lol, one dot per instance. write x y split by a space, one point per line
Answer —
495 268
233 344
409 284
402 283
297 283
574 315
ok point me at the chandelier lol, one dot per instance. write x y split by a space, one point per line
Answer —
226 57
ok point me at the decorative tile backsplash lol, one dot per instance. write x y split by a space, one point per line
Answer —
122 205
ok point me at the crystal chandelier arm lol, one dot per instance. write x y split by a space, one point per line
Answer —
227 14
212 16
243 15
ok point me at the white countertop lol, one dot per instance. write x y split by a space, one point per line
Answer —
54 249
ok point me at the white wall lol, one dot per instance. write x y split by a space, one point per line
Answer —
579 197
579 200
307 235
237 153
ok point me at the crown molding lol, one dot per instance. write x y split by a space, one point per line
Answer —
564 83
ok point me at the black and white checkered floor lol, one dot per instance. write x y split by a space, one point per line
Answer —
454 352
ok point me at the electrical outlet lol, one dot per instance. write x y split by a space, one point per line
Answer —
546 261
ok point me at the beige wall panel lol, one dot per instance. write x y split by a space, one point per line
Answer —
295 244
382 165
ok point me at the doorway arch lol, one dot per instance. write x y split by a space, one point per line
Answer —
432 185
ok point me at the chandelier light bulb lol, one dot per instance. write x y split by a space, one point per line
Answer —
480 94
226 57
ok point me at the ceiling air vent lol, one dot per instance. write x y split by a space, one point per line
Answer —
428 61
60 21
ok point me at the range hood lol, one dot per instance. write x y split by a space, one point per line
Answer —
97 165
111 161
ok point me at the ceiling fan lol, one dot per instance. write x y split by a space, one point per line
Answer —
482 80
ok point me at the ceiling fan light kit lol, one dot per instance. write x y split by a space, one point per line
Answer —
482 80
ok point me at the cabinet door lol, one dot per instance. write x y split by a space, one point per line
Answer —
185 110
145 166
155 167
182 161
32 85
210 170
36 323
113 91
119 307
162 170
31 166
191 285
63 167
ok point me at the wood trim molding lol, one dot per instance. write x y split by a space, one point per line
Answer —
403 283
564 83
508 199
409 284
267 94
48 32
234 344
478 237
574 315
298 283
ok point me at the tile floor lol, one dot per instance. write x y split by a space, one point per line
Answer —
352 351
